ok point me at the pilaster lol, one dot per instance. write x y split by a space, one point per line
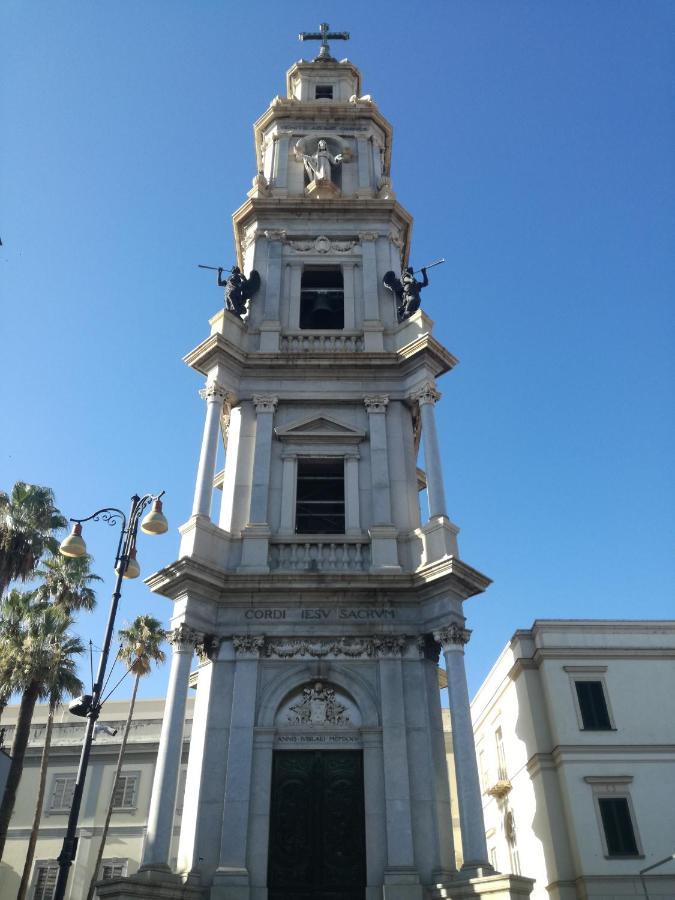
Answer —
384 550
255 536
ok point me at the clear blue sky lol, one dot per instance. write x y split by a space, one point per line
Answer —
534 145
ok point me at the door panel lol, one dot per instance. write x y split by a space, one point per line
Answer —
317 834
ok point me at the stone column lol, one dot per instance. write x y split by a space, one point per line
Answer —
384 551
262 457
232 869
352 512
376 827
370 285
288 483
474 847
215 397
255 536
427 396
348 266
373 329
157 847
401 878
295 289
363 162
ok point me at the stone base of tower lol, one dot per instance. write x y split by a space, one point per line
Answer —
148 886
493 887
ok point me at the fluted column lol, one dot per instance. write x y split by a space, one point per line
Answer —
472 827
427 396
215 396
157 847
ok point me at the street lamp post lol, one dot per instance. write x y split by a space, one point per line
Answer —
126 566
655 865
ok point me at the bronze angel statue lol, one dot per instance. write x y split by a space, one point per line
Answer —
238 289
407 290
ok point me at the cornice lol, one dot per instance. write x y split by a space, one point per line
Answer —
308 209
425 351
187 575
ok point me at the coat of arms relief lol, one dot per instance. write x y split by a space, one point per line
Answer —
318 706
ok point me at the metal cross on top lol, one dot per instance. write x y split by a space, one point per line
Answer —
324 34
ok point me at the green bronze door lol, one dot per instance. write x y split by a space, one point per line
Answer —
317 826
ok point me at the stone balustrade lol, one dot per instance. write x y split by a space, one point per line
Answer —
322 342
341 555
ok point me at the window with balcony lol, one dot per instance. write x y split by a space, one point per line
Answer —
320 497
322 298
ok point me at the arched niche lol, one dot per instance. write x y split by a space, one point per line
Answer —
351 691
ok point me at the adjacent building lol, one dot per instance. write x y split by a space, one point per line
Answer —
575 740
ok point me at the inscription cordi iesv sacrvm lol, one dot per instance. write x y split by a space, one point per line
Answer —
339 612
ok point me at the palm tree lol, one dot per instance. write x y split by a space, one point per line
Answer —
61 681
31 660
66 582
27 656
14 608
140 646
28 520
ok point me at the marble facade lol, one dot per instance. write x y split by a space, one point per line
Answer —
318 640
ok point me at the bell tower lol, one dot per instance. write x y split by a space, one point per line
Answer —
315 587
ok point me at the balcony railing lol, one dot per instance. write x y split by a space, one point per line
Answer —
318 555
322 342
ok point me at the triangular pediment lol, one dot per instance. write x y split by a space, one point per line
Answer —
320 428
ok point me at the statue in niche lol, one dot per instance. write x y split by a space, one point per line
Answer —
238 289
407 290
318 165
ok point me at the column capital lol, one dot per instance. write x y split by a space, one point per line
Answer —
376 403
215 391
275 235
248 644
207 647
426 393
182 638
452 635
265 403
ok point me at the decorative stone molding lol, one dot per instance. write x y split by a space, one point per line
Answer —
182 638
428 647
250 234
367 236
318 706
453 634
395 234
248 644
207 648
321 244
427 393
349 647
265 403
376 403
215 391
275 235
